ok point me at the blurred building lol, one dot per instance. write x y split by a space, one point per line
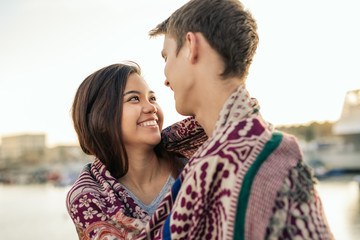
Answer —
1 162
348 125
22 148
65 153
26 159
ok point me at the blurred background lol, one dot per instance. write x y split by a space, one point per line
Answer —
305 76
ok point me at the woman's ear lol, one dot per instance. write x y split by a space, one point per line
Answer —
192 43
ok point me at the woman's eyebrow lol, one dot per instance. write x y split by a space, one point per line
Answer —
137 92
131 92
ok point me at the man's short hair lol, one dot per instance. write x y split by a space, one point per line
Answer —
228 27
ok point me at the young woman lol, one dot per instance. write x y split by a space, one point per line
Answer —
119 122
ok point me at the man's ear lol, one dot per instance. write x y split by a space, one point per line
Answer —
192 42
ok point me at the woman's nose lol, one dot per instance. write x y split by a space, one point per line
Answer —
167 83
150 108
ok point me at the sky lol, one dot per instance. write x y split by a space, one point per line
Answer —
307 59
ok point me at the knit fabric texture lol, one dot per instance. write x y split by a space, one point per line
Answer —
101 208
245 182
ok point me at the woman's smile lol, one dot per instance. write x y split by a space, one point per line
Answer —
149 123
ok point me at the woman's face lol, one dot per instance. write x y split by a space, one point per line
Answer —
142 117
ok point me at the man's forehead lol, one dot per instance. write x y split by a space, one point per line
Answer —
168 42
165 46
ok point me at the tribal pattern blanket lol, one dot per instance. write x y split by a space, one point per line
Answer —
99 205
245 182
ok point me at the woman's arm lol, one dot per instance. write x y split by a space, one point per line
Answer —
184 137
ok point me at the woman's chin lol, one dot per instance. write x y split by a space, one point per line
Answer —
154 141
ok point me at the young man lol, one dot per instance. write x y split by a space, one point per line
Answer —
246 181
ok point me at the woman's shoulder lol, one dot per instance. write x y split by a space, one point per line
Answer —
185 128
183 137
85 186
86 202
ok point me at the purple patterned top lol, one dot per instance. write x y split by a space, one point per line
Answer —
245 182
100 206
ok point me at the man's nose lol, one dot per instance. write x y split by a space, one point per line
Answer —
167 83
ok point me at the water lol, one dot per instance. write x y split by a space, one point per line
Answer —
341 201
39 211
34 212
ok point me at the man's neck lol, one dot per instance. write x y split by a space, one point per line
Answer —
212 102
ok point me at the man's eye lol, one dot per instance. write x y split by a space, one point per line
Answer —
153 99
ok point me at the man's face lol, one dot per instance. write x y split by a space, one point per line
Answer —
178 75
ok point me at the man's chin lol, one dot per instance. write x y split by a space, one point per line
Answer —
183 112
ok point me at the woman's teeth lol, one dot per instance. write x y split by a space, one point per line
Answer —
148 123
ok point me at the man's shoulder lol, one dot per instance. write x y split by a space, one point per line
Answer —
249 127
244 136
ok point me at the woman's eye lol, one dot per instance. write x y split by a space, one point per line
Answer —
153 99
134 98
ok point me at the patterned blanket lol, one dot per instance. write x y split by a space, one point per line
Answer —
245 182
99 205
